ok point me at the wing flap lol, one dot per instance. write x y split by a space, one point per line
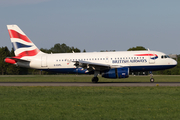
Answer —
91 66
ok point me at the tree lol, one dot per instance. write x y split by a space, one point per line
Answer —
60 48
136 48
45 50
72 49
4 52
84 50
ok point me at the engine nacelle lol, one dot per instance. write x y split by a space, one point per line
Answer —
117 73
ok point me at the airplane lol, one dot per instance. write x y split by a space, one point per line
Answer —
108 64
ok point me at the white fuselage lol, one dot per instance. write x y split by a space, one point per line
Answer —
135 60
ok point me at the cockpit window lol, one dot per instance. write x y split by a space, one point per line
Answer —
165 56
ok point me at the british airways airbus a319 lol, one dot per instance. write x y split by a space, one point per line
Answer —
109 64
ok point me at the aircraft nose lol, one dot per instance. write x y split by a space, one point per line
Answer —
174 62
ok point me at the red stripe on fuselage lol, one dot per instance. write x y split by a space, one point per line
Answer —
15 34
145 55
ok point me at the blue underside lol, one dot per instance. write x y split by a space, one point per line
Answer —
132 69
151 68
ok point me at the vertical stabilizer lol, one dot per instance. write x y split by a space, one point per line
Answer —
22 45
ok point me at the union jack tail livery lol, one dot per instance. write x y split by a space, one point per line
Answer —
22 45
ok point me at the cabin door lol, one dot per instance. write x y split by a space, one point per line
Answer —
43 61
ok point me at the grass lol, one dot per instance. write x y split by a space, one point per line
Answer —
87 103
83 78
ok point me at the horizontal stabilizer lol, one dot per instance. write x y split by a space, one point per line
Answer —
13 60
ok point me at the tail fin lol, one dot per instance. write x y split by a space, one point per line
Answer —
22 45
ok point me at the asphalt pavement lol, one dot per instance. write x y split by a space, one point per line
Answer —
117 84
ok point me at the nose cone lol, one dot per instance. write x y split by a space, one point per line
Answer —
174 62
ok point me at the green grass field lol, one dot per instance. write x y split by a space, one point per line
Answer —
84 78
87 103
106 103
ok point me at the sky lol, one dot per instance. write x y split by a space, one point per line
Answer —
95 25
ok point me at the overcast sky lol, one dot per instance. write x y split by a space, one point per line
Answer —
95 25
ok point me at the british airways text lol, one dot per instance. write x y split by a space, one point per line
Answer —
130 61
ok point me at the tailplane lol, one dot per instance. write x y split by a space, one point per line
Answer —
22 45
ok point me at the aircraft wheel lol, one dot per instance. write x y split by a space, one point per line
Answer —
95 79
152 80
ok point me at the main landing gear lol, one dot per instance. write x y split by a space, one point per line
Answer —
95 78
151 75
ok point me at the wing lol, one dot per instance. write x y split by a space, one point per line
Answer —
90 66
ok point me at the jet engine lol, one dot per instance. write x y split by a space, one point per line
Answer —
117 73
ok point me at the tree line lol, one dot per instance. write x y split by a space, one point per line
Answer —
9 69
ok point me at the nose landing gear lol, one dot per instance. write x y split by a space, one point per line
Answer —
152 80
151 75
